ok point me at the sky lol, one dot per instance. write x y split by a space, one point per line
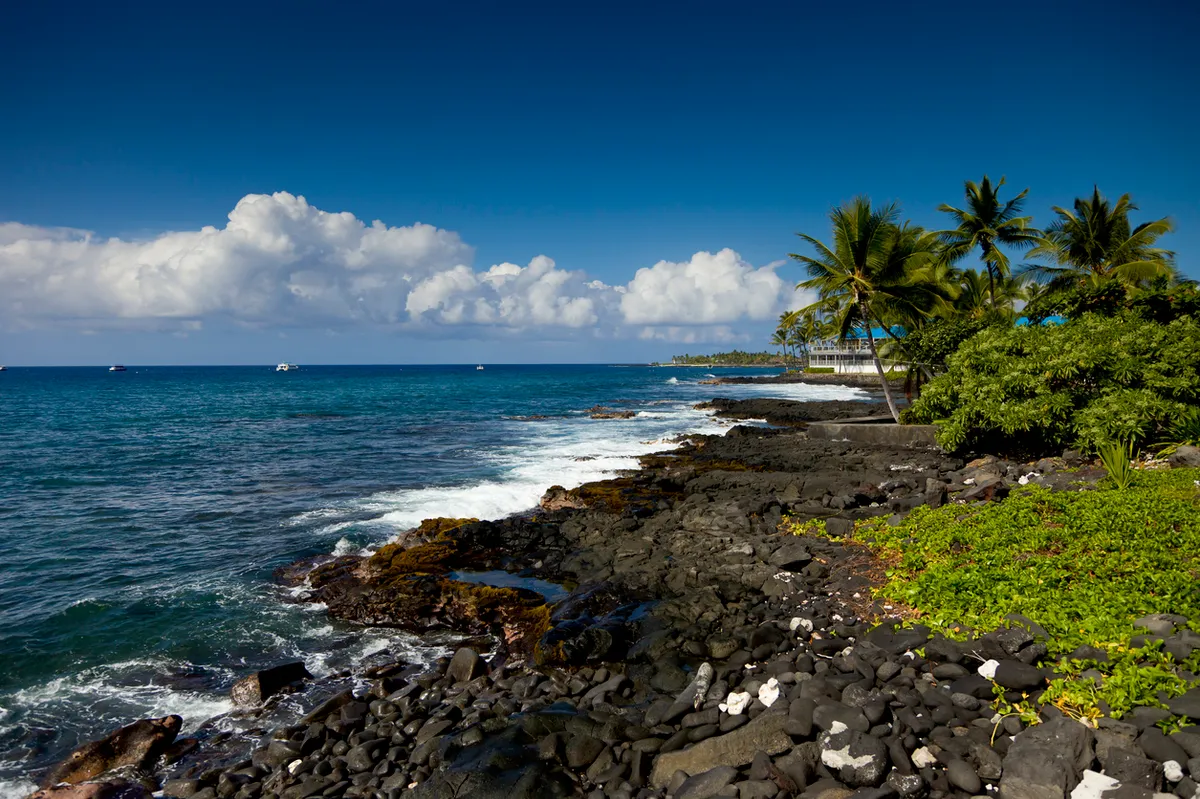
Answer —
516 182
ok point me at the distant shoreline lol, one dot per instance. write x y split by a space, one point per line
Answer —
721 365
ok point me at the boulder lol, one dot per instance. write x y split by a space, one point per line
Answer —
791 557
1185 456
856 757
706 784
765 733
559 498
1186 705
1046 760
464 666
137 745
259 686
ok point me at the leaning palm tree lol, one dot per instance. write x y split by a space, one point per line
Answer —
987 223
1096 241
869 273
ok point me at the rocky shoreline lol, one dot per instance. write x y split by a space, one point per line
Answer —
700 652
864 380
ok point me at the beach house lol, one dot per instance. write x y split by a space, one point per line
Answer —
851 355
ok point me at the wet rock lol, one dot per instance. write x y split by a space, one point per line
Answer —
113 789
259 686
136 745
558 498
465 666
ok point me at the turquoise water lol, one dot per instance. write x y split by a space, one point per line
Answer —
142 513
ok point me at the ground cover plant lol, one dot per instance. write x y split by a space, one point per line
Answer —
1082 564
1092 381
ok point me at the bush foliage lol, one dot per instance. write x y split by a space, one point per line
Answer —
1160 301
1083 564
1091 381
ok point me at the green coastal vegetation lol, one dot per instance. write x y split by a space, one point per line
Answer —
1091 343
1092 339
734 358
1084 565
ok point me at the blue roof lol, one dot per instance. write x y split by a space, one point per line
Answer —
877 332
1049 320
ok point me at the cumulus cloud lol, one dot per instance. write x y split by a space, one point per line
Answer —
279 261
509 295
706 289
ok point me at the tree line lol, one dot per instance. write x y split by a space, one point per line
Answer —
877 270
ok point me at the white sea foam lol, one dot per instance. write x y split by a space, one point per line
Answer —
673 381
15 789
345 546
104 693
566 452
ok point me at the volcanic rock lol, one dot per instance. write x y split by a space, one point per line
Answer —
260 685
137 745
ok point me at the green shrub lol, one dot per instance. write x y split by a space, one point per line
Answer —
1083 564
1187 428
819 370
1082 384
1161 301
933 343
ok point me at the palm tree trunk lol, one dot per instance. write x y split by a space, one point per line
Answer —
900 343
985 249
887 389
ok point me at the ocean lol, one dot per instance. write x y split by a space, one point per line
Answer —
143 512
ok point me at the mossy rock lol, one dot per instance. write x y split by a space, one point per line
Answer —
428 557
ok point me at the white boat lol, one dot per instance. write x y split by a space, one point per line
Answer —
116 368
479 368
3 368
286 367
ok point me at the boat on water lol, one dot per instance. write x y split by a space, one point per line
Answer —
287 367
117 368
3 368
479 368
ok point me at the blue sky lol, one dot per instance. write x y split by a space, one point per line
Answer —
607 137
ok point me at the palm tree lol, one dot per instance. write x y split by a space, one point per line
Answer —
805 331
1096 241
987 223
780 339
783 331
975 302
872 272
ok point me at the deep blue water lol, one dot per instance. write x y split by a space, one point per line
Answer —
142 513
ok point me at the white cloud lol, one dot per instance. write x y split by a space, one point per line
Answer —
513 296
281 262
709 288
693 335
